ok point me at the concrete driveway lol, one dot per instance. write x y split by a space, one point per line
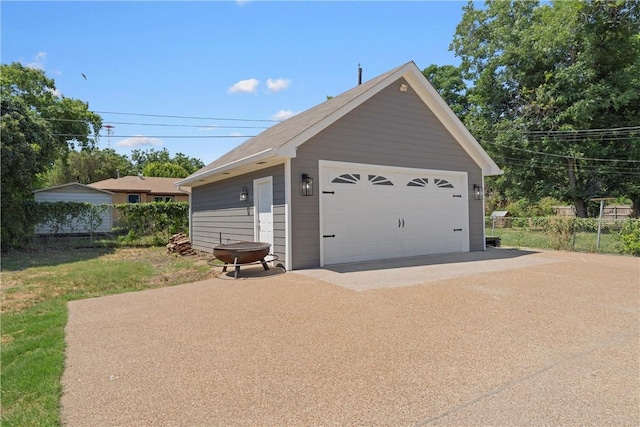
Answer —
502 337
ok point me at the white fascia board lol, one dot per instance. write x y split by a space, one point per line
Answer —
451 122
187 182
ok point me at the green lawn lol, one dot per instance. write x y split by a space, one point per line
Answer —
532 238
36 287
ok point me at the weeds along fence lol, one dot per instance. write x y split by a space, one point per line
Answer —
567 233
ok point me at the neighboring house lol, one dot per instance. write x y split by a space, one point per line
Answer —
142 189
75 192
383 170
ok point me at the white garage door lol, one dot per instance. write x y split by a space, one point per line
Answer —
374 212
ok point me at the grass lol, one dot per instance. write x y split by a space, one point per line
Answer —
36 287
532 238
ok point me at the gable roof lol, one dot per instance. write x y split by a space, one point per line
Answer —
146 184
72 186
281 140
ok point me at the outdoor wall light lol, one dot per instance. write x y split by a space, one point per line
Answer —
477 192
307 185
244 195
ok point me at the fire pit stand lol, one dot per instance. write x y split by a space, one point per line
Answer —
242 253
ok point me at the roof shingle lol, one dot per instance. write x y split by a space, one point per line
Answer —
151 185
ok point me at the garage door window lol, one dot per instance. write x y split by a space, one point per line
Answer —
442 183
418 182
379 180
347 178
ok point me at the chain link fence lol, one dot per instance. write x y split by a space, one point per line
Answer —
566 233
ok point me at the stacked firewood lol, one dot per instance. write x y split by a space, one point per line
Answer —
179 243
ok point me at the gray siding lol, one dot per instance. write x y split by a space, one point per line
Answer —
394 129
218 215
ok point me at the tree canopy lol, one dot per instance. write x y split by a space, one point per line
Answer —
164 169
160 163
553 93
37 127
87 166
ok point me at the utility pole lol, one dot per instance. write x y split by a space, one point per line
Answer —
109 129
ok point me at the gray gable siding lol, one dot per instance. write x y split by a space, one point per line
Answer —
218 215
393 129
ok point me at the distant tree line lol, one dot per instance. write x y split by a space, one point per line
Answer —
92 165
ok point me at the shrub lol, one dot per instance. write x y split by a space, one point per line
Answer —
155 218
629 235
562 230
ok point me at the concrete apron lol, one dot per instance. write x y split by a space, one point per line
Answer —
399 272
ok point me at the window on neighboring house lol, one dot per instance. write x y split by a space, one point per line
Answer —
163 199
133 198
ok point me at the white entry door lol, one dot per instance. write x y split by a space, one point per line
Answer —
374 212
263 208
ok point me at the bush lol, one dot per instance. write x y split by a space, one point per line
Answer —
629 235
562 230
65 216
524 208
164 218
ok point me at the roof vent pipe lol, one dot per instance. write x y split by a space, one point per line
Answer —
359 75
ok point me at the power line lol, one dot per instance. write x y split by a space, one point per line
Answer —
564 156
68 135
603 134
568 132
187 117
162 124
551 167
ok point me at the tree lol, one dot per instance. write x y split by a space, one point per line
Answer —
37 127
141 158
448 81
190 164
164 169
87 166
544 82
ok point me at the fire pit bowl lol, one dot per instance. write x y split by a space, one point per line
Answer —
235 254
242 253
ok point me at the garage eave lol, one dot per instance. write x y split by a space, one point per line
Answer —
246 164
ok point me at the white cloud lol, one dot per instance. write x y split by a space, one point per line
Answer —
245 86
138 141
242 2
283 115
278 84
38 61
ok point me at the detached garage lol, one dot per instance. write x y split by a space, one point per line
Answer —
384 170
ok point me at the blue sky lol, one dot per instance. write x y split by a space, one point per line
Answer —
252 60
